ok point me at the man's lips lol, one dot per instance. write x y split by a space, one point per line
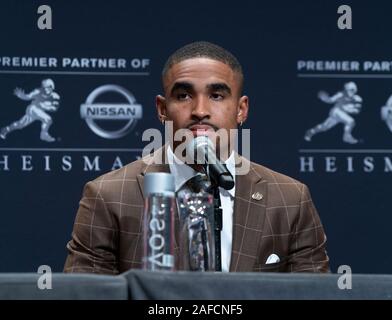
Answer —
201 127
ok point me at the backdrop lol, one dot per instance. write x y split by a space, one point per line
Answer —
104 60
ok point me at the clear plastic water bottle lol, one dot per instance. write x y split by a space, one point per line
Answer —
197 243
158 231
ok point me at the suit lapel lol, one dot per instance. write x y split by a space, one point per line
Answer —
248 219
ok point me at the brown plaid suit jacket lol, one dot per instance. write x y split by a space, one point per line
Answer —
107 235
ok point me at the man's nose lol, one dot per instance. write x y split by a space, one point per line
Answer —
201 109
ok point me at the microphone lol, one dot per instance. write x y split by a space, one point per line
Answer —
218 172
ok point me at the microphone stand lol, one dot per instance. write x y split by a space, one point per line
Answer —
217 227
218 219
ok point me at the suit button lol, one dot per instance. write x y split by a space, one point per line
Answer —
257 196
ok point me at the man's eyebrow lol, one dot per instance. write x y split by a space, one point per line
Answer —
220 86
186 86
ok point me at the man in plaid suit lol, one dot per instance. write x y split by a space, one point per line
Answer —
270 222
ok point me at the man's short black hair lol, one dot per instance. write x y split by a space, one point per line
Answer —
204 49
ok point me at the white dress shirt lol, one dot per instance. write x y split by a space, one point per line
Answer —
182 173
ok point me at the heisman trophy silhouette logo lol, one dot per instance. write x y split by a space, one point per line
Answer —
43 100
345 103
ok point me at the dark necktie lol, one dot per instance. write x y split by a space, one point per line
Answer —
199 183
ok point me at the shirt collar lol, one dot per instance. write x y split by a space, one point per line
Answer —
182 172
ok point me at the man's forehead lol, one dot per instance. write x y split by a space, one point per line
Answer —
199 69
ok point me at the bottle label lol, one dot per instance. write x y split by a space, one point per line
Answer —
159 233
168 260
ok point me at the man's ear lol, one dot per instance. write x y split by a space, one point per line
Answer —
242 111
160 103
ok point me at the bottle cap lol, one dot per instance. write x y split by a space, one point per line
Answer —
158 182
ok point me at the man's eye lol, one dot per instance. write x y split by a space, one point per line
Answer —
217 96
183 96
